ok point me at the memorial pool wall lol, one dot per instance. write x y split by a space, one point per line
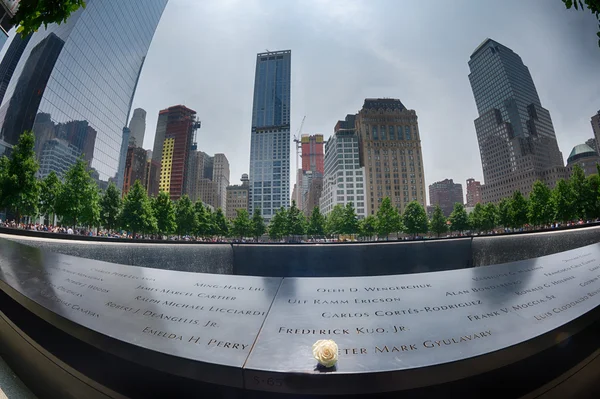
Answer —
316 260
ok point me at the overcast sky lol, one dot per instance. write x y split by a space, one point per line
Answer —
343 51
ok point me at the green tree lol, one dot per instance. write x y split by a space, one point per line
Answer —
368 226
476 217
335 221
316 223
204 226
137 215
78 201
91 212
221 223
563 201
111 205
459 220
258 224
504 213
164 212
242 224
185 216
540 211
438 222
518 210
50 188
350 220
490 216
277 226
32 14
592 5
579 187
20 190
593 197
414 219
296 222
388 219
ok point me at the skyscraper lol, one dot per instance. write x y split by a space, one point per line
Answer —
445 194
515 133
391 153
10 61
270 137
344 176
85 69
176 149
596 128
137 126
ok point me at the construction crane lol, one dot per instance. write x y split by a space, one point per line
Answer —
298 142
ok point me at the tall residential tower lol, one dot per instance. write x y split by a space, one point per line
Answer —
515 133
270 137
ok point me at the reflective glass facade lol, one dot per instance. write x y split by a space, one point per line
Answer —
516 137
82 73
270 141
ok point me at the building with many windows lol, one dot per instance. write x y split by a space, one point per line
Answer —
85 69
473 192
344 178
391 153
137 127
445 194
584 156
516 138
209 179
180 125
135 167
58 155
237 197
270 137
312 153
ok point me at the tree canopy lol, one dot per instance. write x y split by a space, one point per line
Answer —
388 219
185 216
111 205
242 224
316 223
32 14
414 219
258 224
137 215
19 186
77 202
592 5
438 224
50 188
459 220
164 212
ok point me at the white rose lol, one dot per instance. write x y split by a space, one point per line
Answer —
326 352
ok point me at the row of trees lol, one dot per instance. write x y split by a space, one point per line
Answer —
77 201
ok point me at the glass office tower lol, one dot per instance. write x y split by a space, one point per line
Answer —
270 140
82 73
515 133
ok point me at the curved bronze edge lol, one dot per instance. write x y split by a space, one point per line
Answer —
47 375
